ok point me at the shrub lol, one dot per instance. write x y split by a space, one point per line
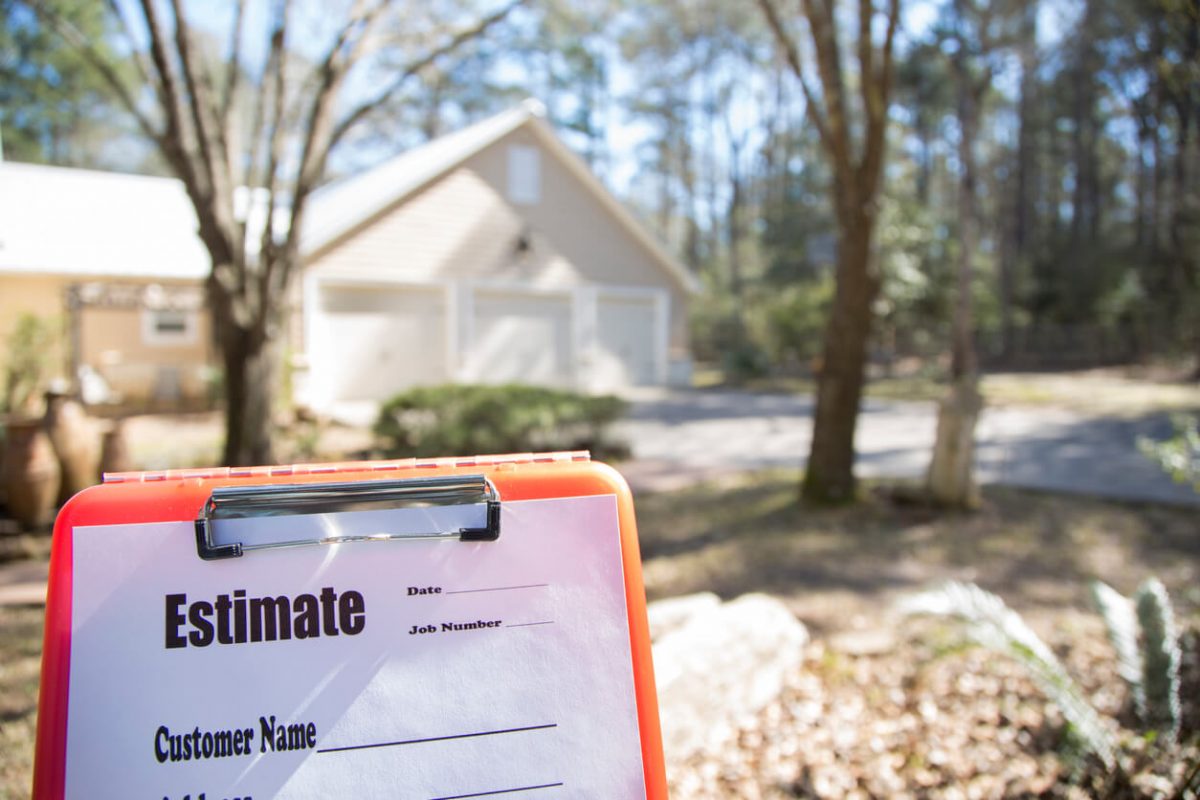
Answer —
1178 456
476 420
28 358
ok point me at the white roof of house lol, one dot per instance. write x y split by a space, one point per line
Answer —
55 220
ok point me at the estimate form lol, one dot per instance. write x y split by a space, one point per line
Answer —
425 669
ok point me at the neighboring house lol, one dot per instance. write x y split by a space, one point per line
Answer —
489 255
114 262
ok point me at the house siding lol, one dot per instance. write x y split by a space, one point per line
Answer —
462 227
40 295
580 229
110 340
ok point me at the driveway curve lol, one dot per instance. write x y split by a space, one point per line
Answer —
680 436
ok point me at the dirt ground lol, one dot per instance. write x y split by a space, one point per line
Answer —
173 441
889 706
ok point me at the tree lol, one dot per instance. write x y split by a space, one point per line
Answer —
53 107
972 38
263 127
855 145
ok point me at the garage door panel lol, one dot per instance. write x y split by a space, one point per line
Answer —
626 342
520 338
376 342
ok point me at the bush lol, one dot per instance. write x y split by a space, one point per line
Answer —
478 420
27 360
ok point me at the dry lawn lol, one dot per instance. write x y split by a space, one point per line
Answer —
20 662
892 707
835 566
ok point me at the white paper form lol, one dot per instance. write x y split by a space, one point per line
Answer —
405 669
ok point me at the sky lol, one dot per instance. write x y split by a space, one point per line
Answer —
626 135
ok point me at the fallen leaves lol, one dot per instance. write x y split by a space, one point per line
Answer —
928 719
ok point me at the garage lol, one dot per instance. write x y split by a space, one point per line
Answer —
520 337
370 342
627 351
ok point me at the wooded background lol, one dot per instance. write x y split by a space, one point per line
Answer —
1036 201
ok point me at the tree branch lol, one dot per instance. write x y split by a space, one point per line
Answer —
139 57
450 45
829 67
227 118
177 138
213 158
793 60
266 249
866 54
348 46
254 175
104 67
233 68
877 104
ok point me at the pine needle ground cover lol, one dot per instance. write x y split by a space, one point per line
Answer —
888 705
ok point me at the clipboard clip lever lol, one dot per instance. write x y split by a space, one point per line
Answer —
241 502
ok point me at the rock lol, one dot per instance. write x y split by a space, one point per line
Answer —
725 663
675 612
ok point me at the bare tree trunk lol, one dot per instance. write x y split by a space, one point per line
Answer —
951 478
963 358
1016 253
829 476
857 160
251 378
246 335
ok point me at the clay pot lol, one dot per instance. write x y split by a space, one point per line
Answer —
30 473
76 441
114 449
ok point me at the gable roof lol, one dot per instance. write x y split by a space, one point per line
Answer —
338 208
59 220
67 221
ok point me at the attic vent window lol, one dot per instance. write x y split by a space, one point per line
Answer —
524 175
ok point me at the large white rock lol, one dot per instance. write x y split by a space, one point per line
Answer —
724 663
675 612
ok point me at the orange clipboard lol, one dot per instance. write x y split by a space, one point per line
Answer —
135 631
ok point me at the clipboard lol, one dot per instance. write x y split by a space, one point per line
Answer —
444 628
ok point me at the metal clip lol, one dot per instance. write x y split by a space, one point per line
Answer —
241 502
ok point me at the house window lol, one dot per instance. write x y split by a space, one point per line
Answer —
524 175
165 326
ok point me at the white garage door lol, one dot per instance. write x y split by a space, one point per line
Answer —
626 342
519 337
371 342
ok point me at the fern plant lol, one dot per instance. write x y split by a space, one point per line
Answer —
1142 631
994 625
1160 657
1120 619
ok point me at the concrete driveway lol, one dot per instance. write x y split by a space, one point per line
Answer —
680 436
